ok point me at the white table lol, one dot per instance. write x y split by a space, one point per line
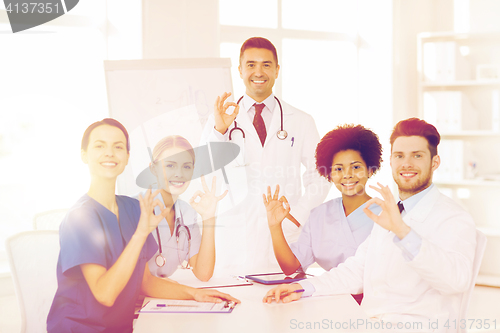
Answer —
254 316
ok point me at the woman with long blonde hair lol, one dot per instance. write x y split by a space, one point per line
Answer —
180 243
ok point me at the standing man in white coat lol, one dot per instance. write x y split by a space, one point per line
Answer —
416 265
275 140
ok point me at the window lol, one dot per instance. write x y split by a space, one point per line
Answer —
334 62
320 15
52 87
335 58
255 13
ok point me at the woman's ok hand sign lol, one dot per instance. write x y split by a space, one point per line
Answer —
148 220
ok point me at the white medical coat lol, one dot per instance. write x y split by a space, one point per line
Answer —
242 235
429 287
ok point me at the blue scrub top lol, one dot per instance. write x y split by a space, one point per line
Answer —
90 233
329 237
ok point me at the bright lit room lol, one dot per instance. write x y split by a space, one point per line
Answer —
162 68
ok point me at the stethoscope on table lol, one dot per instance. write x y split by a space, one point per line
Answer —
281 134
179 227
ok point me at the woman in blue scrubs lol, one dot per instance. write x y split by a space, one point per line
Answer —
182 244
105 245
346 156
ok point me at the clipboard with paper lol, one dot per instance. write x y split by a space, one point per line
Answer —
156 305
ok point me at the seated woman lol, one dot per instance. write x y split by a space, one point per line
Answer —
180 243
106 244
346 156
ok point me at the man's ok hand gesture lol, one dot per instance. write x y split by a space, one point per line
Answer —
222 119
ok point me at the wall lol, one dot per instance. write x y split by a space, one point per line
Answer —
180 28
410 18
484 15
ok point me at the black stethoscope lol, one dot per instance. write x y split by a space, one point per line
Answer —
281 134
179 227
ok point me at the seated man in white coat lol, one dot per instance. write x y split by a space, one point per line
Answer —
415 266
276 141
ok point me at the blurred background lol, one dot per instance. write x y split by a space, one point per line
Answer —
372 62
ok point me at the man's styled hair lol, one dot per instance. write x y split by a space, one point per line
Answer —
417 127
258 43
348 137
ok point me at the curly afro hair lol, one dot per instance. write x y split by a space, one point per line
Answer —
346 137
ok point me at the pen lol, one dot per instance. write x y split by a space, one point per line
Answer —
285 294
229 304
241 278
161 305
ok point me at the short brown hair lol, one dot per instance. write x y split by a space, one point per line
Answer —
105 121
258 43
417 127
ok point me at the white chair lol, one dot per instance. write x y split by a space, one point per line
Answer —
480 247
49 220
33 260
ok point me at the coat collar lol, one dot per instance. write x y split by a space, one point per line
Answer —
244 121
422 209
248 102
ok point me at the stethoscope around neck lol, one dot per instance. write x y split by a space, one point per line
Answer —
179 228
281 134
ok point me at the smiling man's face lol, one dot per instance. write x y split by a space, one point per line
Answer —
259 70
412 165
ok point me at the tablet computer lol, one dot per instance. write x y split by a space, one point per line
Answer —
278 278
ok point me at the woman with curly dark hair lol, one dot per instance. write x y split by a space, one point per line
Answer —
347 156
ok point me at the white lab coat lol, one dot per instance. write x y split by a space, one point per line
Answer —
242 235
429 287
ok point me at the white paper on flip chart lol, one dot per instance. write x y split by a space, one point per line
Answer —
183 121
